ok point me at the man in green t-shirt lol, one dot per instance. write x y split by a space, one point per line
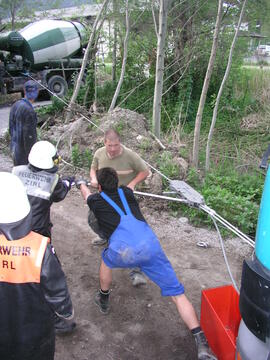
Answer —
131 170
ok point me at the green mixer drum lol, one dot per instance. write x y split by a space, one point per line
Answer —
48 40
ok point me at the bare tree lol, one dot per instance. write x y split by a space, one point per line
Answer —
195 157
114 41
92 66
163 12
12 7
214 117
154 17
85 58
120 82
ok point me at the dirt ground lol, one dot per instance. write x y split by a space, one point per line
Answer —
141 325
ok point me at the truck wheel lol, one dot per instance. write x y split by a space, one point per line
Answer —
58 85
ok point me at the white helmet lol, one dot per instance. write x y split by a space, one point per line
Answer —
14 204
41 155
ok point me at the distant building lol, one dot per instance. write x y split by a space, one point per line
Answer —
263 50
86 11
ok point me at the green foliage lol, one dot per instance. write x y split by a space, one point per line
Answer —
235 197
145 144
89 86
234 194
180 103
105 94
82 159
120 127
167 165
56 107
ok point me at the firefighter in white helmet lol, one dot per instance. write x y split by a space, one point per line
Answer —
33 289
42 183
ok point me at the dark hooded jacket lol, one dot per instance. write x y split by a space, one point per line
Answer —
22 130
28 306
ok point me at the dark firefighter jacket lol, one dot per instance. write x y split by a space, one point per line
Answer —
22 130
32 288
43 188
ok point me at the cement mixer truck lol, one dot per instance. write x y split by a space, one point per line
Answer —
50 51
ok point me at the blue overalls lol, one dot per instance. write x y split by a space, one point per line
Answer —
134 244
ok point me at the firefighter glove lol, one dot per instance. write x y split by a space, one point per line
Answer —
80 182
69 181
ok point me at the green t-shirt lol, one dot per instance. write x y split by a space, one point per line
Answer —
127 165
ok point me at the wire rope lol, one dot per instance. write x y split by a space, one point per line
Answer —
224 254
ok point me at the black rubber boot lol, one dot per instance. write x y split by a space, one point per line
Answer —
102 301
63 326
204 351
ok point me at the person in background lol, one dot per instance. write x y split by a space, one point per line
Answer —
23 124
132 243
43 184
131 170
3 89
33 288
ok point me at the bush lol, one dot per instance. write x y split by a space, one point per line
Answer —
56 107
235 197
82 159
168 166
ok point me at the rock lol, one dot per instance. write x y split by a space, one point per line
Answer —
155 183
142 139
183 220
183 167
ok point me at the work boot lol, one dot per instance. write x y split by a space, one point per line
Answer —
63 326
204 351
98 241
137 278
102 301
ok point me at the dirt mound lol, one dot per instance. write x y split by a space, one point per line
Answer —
132 127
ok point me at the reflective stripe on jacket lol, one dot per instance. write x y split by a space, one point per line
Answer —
26 326
43 188
40 184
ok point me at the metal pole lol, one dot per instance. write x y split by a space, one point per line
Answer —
184 201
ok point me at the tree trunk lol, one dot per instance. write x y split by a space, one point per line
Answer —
214 117
13 14
85 59
154 17
114 41
112 106
91 73
163 12
195 157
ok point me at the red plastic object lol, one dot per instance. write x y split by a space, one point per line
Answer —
220 319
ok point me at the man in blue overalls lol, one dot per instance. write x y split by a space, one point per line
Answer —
132 243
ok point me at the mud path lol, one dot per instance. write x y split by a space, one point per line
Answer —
141 325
